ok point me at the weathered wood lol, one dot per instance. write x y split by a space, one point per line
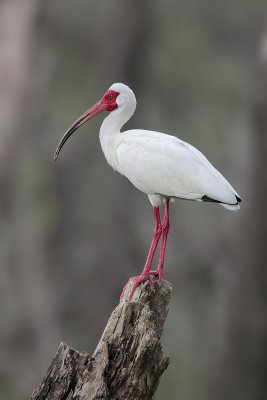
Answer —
128 361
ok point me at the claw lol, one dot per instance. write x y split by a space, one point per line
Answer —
158 274
137 280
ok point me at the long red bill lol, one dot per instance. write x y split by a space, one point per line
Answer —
96 109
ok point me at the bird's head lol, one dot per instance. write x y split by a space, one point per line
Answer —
118 96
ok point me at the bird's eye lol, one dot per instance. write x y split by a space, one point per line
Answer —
110 95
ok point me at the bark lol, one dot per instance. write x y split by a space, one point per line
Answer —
128 360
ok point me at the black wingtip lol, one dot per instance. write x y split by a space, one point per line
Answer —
209 199
238 199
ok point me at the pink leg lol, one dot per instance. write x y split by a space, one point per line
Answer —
145 274
165 230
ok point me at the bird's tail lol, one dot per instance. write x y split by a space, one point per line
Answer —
234 207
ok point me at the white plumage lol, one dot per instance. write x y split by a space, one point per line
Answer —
159 165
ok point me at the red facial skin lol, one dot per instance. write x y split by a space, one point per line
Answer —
110 102
107 103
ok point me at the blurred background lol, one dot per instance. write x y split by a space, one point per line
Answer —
72 233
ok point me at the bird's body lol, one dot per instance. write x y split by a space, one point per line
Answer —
160 165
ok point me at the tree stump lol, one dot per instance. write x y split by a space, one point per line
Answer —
128 360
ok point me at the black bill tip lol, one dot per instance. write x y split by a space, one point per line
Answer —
69 132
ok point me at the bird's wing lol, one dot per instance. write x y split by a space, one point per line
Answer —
157 163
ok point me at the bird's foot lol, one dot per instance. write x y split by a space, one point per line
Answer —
157 273
137 280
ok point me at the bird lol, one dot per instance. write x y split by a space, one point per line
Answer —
160 165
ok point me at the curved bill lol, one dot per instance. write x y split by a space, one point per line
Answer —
96 109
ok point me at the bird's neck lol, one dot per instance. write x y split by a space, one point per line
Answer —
110 130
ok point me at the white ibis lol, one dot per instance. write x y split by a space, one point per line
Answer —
162 166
